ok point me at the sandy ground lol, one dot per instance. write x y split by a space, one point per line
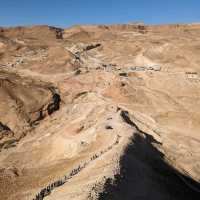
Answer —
63 95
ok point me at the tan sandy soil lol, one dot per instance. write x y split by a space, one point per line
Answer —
116 105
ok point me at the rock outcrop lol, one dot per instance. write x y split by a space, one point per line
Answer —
98 112
24 102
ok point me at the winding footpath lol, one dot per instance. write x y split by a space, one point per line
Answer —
125 116
48 189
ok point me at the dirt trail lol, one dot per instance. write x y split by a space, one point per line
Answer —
47 190
89 75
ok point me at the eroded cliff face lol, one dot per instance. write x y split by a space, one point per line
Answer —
100 112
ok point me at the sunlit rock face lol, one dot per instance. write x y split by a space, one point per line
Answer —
100 112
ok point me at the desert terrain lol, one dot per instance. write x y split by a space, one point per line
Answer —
100 112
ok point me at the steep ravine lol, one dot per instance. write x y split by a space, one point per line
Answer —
28 101
64 129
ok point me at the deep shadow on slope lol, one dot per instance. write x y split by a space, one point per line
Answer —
145 175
